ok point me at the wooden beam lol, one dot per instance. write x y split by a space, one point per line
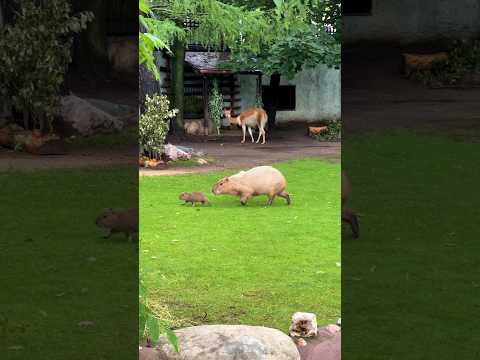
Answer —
205 105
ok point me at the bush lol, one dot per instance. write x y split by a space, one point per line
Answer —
34 53
154 124
215 106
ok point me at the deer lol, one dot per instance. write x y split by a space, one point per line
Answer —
251 118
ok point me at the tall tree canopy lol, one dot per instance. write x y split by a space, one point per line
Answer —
298 39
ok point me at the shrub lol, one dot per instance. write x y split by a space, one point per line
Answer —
154 124
215 106
34 53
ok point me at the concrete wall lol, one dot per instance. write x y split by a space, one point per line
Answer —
410 21
317 94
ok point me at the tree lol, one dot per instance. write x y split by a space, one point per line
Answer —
220 25
299 41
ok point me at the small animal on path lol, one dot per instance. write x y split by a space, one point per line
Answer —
251 119
260 180
119 221
348 215
194 197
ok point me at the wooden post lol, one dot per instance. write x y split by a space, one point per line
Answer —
259 85
232 93
206 117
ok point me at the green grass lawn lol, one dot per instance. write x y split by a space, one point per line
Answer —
416 265
58 271
230 264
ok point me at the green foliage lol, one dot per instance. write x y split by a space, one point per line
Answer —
155 34
258 101
296 42
34 53
154 124
215 106
151 325
220 25
333 132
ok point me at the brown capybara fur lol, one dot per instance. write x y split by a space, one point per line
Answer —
194 197
348 215
260 180
119 221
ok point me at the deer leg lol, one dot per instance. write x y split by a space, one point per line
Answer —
263 133
251 135
243 131
260 132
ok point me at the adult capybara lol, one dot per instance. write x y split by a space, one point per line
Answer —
119 221
348 215
260 180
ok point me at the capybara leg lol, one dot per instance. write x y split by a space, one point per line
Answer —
286 196
244 198
108 235
350 217
251 134
270 200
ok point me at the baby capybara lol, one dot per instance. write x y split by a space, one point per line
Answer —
194 197
348 215
119 221
260 180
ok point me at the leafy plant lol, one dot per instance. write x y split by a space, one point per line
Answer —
34 53
215 106
151 326
332 133
154 124
258 101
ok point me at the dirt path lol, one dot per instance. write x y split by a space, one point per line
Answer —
288 144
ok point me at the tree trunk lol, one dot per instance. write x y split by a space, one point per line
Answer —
273 100
178 72
91 45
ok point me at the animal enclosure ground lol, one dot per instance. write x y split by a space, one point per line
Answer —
230 264
59 267
416 263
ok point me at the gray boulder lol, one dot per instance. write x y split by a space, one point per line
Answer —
228 342
86 118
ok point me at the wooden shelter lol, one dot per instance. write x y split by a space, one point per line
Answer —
201 69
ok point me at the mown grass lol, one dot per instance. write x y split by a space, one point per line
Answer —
411 283
230 264
58 272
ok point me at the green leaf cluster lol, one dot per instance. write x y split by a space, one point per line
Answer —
154 124
215 106
35 52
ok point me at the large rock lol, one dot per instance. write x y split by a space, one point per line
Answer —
229 342
86 118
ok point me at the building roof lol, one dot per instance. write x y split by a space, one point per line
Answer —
210 63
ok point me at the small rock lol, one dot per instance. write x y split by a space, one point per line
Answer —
202 161
303 325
